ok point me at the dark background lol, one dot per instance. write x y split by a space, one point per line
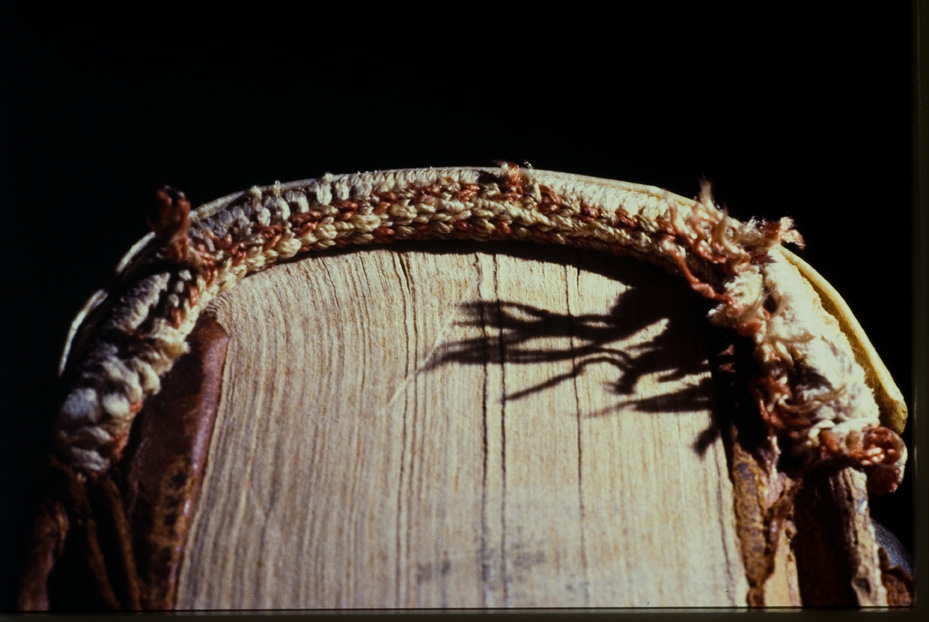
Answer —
804 111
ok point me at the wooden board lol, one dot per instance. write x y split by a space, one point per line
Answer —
467 428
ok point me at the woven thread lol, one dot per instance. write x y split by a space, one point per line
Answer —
811 391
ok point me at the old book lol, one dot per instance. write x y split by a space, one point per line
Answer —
452 425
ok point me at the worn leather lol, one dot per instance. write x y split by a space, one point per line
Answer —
163 475
116 540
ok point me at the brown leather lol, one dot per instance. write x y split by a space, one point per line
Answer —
76 543
899 584
163 474
116 540
48 540
759 517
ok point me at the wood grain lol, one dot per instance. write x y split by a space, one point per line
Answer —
461 427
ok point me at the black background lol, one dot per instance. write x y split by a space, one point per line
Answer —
801 110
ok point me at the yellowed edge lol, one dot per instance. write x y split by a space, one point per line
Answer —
893 410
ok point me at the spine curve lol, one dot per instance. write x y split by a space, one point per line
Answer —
810 391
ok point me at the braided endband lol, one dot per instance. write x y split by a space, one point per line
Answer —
811 391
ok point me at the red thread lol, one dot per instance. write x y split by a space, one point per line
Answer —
172 222
589 212
624 219
466 192
550 200
501 229
176 316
